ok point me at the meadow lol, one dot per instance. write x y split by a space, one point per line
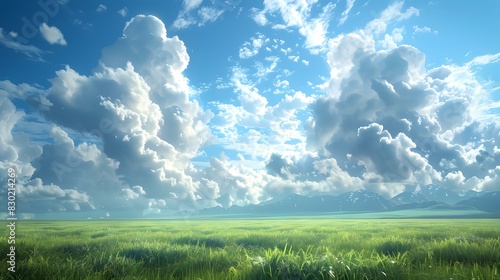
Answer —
287 248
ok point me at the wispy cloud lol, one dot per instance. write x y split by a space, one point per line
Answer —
190 5
345 14
205 14
297 14
30 51
391 14
424 29
209 14
484 60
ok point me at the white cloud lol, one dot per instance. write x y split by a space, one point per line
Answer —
259 17
411 126
263 71
39 198
484 60
52 34
297 14
205 14
279 27
345 14
209 14
282 83
252 47
183 22
142 98
189 5
392 40
238 184
385 122
315 33
286 51
249 96
391 14
417 29
8 41
256 129
16 151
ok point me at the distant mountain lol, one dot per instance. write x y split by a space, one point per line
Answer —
429 197
489 202
434 193
422 205
350 201
445 206
409 198
363 201
299 203
432 205
439 193
470 194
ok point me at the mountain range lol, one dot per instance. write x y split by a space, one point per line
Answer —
428 197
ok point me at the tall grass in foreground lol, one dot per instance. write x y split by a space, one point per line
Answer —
255 249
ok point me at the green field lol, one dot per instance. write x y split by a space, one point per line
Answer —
293 248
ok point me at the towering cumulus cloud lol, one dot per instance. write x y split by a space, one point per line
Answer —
140 129
393 123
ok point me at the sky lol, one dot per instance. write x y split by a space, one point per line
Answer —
131 108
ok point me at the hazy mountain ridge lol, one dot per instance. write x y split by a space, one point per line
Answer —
489 202
434 193
429 197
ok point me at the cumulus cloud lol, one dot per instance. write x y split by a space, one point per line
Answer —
233 184
188 5
135 107
52 34
16 151
127 134
389 121
368 132
35 197
257 129
140 88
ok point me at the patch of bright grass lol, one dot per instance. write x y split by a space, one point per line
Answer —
256 249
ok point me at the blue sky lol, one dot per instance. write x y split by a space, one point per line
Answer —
154 107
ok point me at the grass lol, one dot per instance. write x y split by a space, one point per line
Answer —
256 249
